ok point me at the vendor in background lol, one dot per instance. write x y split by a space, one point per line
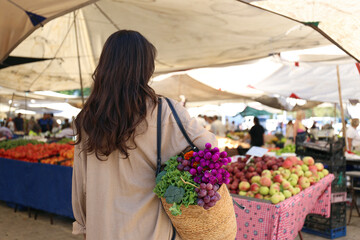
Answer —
19 123
257 134
289 135
299 128
217 127
352 135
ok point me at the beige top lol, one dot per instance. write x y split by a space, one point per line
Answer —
114 199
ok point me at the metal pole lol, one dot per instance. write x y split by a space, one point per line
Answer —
79 65
341 105
12 101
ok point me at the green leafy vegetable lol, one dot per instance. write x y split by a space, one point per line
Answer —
174 194
159 176
175 209
171 176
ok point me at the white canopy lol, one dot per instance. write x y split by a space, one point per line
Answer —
187 34
280 77
336 20
18 19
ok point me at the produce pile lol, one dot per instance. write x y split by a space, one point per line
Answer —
33 151
287 149
273 178
193 179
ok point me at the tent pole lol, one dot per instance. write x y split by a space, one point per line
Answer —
341 105
12 101
78 58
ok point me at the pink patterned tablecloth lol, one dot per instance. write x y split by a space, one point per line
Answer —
263 221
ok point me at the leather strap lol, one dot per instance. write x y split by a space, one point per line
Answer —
180 125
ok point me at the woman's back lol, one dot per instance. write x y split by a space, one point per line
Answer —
114 199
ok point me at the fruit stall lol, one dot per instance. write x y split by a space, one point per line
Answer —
277 195
37 175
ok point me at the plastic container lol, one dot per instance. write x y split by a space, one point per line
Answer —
320 223
327 233
338 197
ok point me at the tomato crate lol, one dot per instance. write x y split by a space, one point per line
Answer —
337 218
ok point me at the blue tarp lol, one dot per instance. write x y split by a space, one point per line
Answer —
39 186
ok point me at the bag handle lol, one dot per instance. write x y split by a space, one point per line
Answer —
158 146
158 137
180 125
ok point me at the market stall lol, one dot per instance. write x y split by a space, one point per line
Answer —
40 186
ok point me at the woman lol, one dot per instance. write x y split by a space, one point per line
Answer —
289 133
352 135
299 128
115 153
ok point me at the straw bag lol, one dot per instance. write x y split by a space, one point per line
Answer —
195 222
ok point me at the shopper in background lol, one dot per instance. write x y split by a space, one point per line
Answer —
352 135
66 132
217 127
5 133
116 153
19 123
289 135
257 134
66 124
299 128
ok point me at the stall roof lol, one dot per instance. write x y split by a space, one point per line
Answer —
187 34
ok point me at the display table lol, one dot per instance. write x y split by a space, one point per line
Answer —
262 220
39 186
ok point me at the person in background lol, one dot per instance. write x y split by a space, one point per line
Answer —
352 135
33 126
257 134
227 125
208 121
232 127
200 119
10 124
19 123
289 135
299 128
217 127
66 132
66 124
45 123
5 133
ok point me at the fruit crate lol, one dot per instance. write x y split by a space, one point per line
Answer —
337 218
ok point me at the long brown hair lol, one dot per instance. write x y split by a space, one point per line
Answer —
120 95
